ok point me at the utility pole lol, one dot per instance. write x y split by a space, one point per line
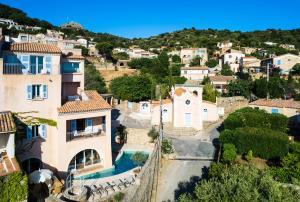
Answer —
160 123
268 72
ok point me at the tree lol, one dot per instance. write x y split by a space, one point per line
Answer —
196 61
121 56
239 88
226 70
93 79
166 146
105 49
296 69
153 134
209 93
176 59
133 88
211 63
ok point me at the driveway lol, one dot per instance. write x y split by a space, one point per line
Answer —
193 157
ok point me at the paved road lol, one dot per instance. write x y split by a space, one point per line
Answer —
178 176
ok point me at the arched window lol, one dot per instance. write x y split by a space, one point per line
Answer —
84 158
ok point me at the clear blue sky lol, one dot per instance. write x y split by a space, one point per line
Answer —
143 18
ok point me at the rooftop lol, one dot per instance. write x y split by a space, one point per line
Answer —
277 103
33 48
7 124
195 68
91 101
74 57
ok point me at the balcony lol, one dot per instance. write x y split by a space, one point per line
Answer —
83 134
18 68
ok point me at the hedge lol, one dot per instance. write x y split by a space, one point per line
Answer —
264 143
248 117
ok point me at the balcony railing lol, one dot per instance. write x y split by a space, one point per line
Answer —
84 134
17 68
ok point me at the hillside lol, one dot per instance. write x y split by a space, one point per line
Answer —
173 40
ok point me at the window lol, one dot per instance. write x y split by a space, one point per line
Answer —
185 72
205 110
279 62
230 56
84 158
37 91
70 67
36 131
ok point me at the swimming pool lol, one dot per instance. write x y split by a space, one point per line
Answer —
121 165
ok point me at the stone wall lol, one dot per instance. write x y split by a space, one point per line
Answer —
145 188
232 104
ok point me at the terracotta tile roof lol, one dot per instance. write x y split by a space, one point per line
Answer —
94 103
195 68
74 57
179 91
277 103
221 78
11 165
7 124
33 48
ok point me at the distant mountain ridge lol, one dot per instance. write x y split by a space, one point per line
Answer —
173 40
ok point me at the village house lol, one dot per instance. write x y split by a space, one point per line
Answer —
287 46
289 108
185 108
220 82
8 162
188 54
194 73
248 50
250 64
62 126
232 58
284 62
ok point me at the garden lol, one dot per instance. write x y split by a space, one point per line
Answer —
257 161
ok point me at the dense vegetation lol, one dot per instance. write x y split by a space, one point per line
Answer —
14 187
93 80
241 184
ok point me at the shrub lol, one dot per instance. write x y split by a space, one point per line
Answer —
153 134
139 158
166 146
13 187
229 153
264 143
248 117
249 155
294 148
216 169
119 196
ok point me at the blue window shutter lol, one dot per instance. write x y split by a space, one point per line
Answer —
29 133
89 124
43 131
29 92
274 110
73 126
25 61
48 63
45 91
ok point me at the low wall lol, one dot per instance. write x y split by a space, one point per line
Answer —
232 104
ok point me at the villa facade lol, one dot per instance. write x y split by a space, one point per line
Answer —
60 125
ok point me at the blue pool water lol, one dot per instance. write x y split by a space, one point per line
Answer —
121 165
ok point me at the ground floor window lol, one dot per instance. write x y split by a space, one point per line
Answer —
84 158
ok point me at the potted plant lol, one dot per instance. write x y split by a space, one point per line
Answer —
121 134
139 158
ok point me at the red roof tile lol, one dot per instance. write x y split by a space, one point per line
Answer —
34 48
277 103
94 103
7 124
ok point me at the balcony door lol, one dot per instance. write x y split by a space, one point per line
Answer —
36 64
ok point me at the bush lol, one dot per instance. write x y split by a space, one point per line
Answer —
249 155
119 196
248 117
264 143
14 187
294 148
242 183
216 169
153 134
139 158
166 146
229 153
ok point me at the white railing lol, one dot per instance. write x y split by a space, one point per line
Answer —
83 134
